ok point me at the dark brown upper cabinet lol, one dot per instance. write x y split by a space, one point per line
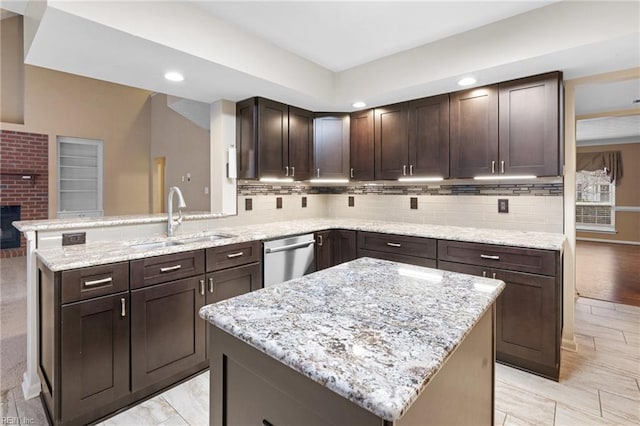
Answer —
273 140
529 125
511 128
412 139
331 146
429 137
474 132
361 145
391 141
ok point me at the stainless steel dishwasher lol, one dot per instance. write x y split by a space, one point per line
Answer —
288 258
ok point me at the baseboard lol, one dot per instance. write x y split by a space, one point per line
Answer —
569 344
600 240
30 390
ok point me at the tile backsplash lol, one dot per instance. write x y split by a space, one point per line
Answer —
532 206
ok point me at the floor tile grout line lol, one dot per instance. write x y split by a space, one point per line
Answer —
175 409
600 402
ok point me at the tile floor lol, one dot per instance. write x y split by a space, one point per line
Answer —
599 384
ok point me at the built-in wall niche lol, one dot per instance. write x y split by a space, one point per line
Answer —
80 167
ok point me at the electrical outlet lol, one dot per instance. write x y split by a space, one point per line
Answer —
413 203
503 205
278 202
248 204
304 202
351 201
74 238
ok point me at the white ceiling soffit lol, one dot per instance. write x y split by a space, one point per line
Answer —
109 41
608 96
608 130
341 35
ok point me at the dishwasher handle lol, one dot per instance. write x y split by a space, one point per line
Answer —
289 247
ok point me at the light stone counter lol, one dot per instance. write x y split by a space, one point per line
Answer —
90 254
373 331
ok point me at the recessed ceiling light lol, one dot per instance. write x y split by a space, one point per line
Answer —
467 81
359 104
174 76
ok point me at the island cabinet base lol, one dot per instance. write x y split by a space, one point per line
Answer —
250 387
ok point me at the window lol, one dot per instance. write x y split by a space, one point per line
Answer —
79 177
595 201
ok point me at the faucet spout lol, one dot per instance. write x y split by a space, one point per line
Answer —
171 224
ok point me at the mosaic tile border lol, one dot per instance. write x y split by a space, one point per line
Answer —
537 189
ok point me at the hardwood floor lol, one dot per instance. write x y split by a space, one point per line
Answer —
608 272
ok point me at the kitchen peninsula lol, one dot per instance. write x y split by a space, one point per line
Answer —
367 342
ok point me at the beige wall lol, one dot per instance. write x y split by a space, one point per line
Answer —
185 147
627 194
12 71
61 104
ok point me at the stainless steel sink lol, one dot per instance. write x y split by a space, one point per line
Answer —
156 245
205 238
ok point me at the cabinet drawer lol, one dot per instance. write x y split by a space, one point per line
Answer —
223 257
512 258
398 244
85 283
156 270
394 257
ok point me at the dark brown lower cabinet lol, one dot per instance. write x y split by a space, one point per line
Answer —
527 315
324 249
334 247
233 282
95 354
167 334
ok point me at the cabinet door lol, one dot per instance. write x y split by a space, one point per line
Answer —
474 132
526 319
361 145
246 139
324 250
344 246
273 138
94 354
167 335
331 146
429 137
529 125
300 143
233 282
391 141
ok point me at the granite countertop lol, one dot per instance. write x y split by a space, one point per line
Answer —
371 330
99 253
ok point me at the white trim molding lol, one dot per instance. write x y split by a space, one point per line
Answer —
634 209
600 240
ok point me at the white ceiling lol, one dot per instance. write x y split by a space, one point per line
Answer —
341 35
325 55
608 130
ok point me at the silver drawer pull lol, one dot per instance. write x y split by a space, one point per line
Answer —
502 167
286 170
394 245
293 171
98 282
493 167
170 268
210 285
488 256
201 287
351 173
493 275
232 255
123 307
484 274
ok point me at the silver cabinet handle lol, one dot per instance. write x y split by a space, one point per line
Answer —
494 275
411 170
232 255
286 170
318 173
123 307
210 285
404 170
484 273
293 171
502 166
351 173
98 282
493 167
170 268
319 240
202 287
488 256
394 245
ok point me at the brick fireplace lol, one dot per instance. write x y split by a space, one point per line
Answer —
24 184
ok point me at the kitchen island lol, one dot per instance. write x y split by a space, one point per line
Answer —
366 342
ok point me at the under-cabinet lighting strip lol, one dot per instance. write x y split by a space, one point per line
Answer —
420 179
504 177
268 179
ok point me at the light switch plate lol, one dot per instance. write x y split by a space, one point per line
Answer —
503 205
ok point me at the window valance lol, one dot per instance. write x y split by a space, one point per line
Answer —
610 161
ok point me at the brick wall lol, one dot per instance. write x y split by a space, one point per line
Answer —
23 154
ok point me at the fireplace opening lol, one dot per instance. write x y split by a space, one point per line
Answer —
9 235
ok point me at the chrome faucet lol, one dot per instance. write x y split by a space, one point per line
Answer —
171 226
